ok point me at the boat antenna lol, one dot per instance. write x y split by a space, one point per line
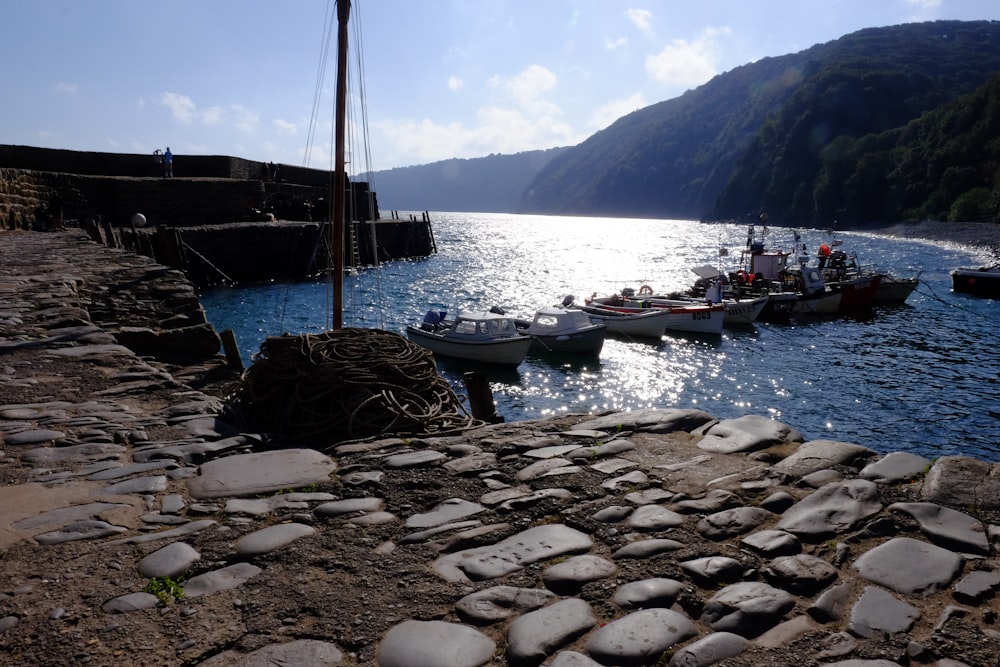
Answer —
339 176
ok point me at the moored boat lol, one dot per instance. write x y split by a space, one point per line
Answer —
482 336
649 324
561 329
839 266
700 318
894 290
736 312
984 281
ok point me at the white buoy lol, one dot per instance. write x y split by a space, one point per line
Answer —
138 219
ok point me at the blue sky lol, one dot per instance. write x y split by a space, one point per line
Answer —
442 78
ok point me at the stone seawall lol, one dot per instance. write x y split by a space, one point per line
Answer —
137 527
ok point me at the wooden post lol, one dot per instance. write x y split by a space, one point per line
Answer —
232 349
481 397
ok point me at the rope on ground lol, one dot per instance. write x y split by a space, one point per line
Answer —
345 384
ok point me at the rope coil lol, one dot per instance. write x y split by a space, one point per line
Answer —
345 384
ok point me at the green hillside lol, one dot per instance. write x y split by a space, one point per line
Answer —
880 125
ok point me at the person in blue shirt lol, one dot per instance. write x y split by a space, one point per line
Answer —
168 163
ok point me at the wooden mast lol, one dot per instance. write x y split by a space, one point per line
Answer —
339 176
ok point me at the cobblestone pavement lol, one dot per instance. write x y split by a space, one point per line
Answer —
137 527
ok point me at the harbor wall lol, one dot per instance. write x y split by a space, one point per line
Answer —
239 221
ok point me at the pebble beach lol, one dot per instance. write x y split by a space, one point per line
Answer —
139 527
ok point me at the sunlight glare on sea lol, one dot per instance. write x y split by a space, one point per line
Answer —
921 377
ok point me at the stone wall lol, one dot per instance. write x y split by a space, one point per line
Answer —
206 190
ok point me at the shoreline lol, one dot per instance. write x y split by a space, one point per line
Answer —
975 234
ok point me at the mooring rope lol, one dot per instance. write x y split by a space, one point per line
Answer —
345 384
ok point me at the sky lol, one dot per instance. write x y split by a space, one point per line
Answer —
436 79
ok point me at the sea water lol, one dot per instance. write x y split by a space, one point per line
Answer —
921 377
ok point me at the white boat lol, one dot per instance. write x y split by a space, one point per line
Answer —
738 311
560 329
481 336
893 290
700 318
649 324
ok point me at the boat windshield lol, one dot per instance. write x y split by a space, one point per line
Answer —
546 321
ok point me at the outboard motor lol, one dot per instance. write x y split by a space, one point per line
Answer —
497 310
432 319
568 300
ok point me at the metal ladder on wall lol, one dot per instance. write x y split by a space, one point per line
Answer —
354 258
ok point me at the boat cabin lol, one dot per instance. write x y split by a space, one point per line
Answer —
549 321
483 325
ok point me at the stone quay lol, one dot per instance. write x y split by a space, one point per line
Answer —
138 527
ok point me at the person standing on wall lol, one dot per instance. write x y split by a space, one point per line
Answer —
168 163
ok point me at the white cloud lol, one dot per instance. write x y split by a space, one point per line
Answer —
186 111
925 8
641 18
242 118
684 63
181 106
284 127
523 118
66 88
612 44
454 83
529 86
212 115
614 110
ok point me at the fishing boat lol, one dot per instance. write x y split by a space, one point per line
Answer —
984 281
840 267
699 318
560 329
770 271
737 311
485 337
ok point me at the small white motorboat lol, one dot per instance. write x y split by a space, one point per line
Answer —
482 336
561 329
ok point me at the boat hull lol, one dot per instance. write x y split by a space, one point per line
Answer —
501 351
823 304
699 319
894 291
983 282
857 293
590 341
737 311
647 324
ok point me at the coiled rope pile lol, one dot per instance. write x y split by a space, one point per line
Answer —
345 384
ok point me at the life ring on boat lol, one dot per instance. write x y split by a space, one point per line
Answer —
645 290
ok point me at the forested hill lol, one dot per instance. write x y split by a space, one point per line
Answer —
494 183
756 137
883 124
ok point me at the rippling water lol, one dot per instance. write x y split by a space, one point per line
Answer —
922 377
